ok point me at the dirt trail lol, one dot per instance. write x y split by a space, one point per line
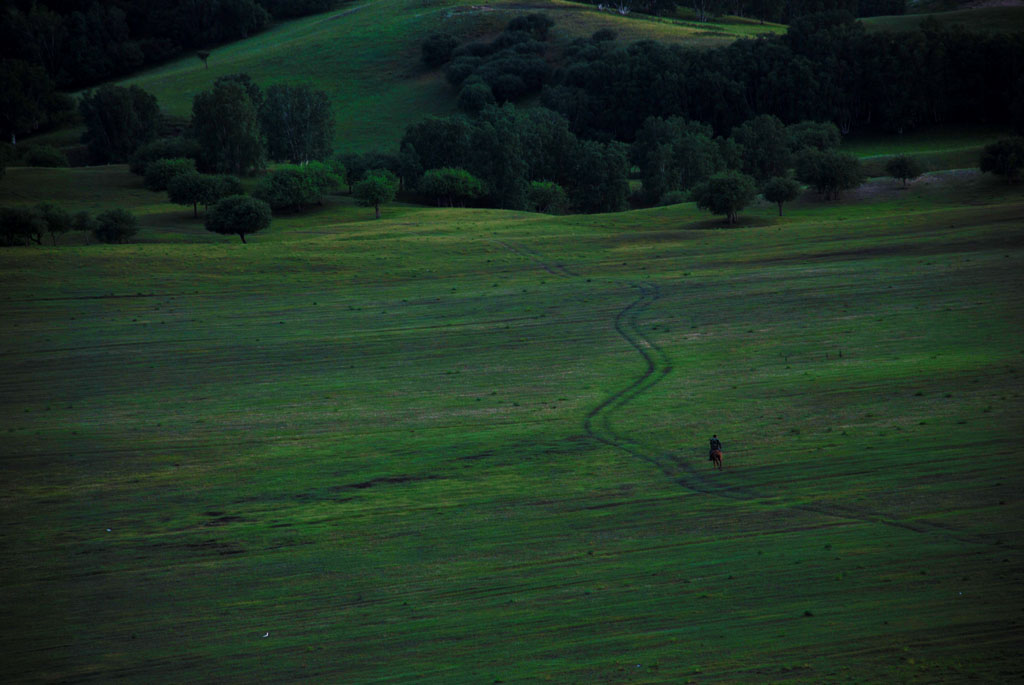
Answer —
598 424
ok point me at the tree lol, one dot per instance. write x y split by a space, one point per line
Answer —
159 173
26 98
904 168
19 225
547 197
780 189
227 126
83 222
238 215
324 178
190 188
297 123
437 49
115 226
117 122
765 146
1004 158
378 187
287 188
57 219
474 96
449 186
725 193
829 172
44 156
204 55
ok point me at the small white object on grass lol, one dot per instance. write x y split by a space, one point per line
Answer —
108 530
266 634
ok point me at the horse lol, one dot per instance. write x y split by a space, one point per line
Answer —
716 458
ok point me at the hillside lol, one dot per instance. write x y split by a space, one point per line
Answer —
469 445
367 57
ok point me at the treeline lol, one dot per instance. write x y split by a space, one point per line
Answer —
81 42
825 68
784 11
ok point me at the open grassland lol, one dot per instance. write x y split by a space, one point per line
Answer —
1009 19
938 148
366 56
469 445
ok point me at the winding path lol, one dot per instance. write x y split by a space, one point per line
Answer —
598 424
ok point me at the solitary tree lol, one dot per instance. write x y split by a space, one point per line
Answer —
57 219
780 189
115 226
238 215
725 193
190 188
1004 158
904 168
378 187
204 55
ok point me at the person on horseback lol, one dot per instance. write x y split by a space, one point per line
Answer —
715 455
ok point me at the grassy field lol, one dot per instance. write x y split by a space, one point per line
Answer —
1009 19
938 148
469 445
367 57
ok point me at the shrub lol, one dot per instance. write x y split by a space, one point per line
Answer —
57 219
160 172
547 197
115 226
829 172
162 148
19 225
377 187
44 155
474 96
673 197
449 186
287 188
1004 158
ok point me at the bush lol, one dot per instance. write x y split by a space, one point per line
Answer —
437 49
238 215
536 25
115 226
547 197
673 197
829 172
474 96
449 186
160 172
377 187
163 148
44 155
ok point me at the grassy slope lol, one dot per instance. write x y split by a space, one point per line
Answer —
366 57
984 19
467 446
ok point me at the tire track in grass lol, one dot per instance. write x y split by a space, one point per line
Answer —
597 424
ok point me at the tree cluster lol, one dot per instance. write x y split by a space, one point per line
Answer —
27 225
508 68
507 149
81 42
825 68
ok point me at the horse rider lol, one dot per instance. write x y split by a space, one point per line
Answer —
716 444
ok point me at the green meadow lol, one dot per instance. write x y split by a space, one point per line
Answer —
470 445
